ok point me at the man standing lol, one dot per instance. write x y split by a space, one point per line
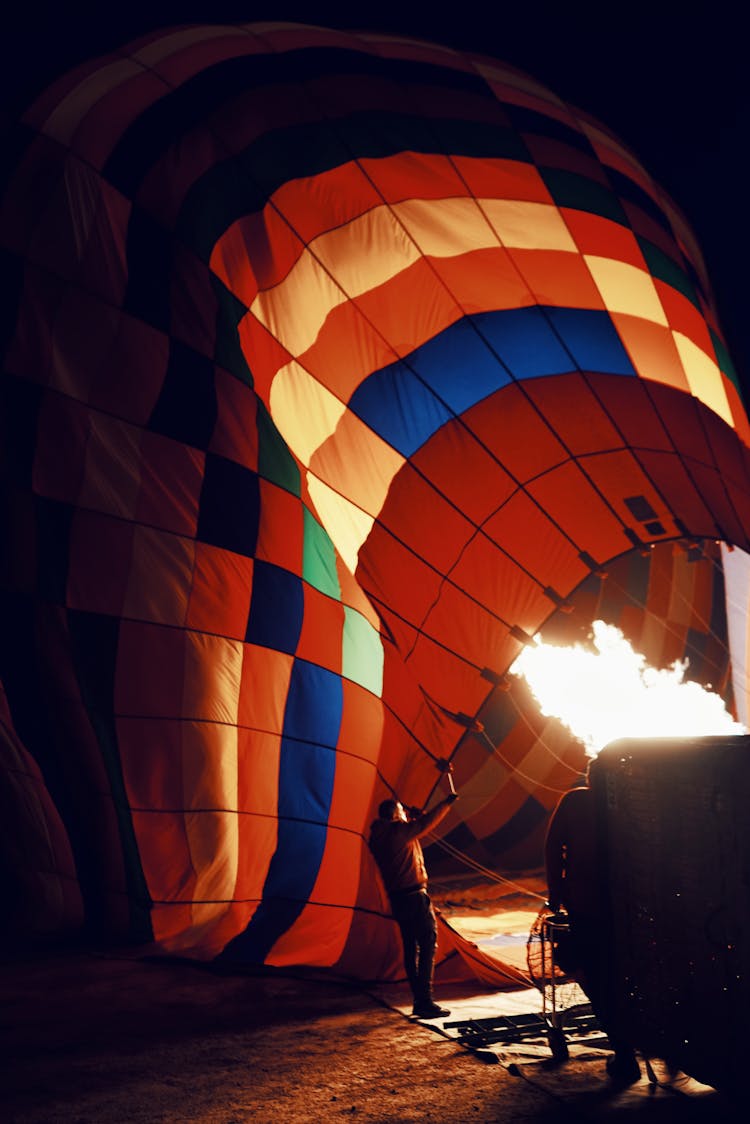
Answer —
394 841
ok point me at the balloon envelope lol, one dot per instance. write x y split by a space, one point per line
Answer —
335 367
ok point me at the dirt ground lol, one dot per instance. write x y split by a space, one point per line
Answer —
93 1038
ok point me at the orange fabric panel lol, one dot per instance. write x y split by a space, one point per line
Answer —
221 590
603 237
729 507
430 307
258 755
485 279
558 278
347 349
362 724
263 689
652 350
317 937
165 851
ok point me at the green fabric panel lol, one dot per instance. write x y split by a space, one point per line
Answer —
275 462
668 271
568 189
228 350
725 362
319 558
363 652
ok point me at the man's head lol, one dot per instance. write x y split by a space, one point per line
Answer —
391 810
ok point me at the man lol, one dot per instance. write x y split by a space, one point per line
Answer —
394 841
575 882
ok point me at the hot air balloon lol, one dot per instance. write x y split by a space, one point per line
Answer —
336 366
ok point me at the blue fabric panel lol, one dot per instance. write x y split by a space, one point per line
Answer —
591 339
526 342
276 608
459 366
399 407
306 773
408 401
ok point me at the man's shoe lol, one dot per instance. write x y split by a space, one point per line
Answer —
623 1069
429 1011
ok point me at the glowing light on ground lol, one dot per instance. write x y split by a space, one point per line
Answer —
612 692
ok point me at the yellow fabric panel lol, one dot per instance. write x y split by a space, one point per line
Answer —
624 288
528 226
369 250
305 412
347 525
211 678
705 378
358 463
209 777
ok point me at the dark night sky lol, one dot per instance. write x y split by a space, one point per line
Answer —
674 87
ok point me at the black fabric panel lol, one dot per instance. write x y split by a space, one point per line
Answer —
229 506
19 410
186 409
149 256
199 97
242 185
93 640
527 818
540 125
53 522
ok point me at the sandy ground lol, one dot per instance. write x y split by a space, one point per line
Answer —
92 1038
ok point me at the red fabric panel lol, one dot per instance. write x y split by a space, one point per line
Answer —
529 536
416 513
321 637
464 470
573 413
580 510
522 440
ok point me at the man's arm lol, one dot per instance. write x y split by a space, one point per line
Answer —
425 822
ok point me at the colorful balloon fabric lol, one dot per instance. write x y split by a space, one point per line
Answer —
335 366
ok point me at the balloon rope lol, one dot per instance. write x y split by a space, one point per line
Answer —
491 875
